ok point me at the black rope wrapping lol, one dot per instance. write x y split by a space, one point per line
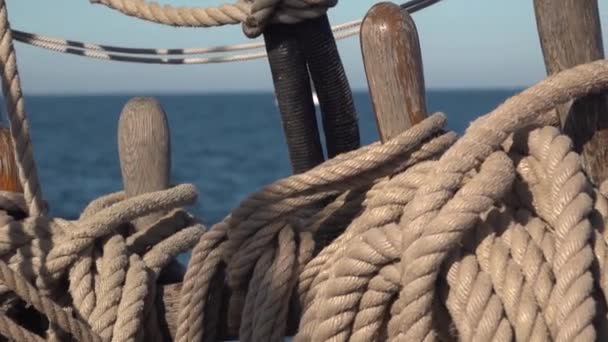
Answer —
340 121
294 96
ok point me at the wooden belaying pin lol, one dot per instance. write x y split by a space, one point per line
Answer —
294 96
393 65
570 34
9 173
340 122
144 148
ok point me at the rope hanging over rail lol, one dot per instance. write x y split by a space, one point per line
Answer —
134 55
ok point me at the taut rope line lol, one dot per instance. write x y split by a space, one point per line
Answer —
133 55
17 117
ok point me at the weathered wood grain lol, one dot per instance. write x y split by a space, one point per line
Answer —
167 304
570 34
393 65
144 146
9 173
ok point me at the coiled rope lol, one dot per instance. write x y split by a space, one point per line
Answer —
134 55
17 117
497 235
348 291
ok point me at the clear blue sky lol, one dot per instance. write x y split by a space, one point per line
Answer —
465 44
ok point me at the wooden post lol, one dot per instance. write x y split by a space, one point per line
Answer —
144 148
570 34
9 173
393 65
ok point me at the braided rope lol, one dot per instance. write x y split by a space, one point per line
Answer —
181 16
103 223
497 234
113 300
53 312
470 290
112 278
15 332
510 286
17 118
483 136
253 14
203 266
129 320
345 289
280 198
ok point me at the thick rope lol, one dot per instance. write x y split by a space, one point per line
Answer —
497 235
424 253
53 312
108 291
112 276
15 332
17 118
253 14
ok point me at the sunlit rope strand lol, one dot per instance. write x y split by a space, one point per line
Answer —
127 54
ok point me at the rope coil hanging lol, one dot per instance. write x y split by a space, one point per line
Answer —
334 271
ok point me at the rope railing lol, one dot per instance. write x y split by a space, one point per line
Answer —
151 55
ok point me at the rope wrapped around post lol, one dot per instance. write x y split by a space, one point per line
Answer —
110 276
478 193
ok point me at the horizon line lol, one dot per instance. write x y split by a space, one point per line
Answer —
243 91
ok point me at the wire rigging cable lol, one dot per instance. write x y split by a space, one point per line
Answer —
157 56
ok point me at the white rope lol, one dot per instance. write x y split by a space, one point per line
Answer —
126 54
136 55
341 31
96 51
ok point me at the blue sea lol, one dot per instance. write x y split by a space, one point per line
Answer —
228 145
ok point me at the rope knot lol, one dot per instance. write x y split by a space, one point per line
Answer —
264 12
103 223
